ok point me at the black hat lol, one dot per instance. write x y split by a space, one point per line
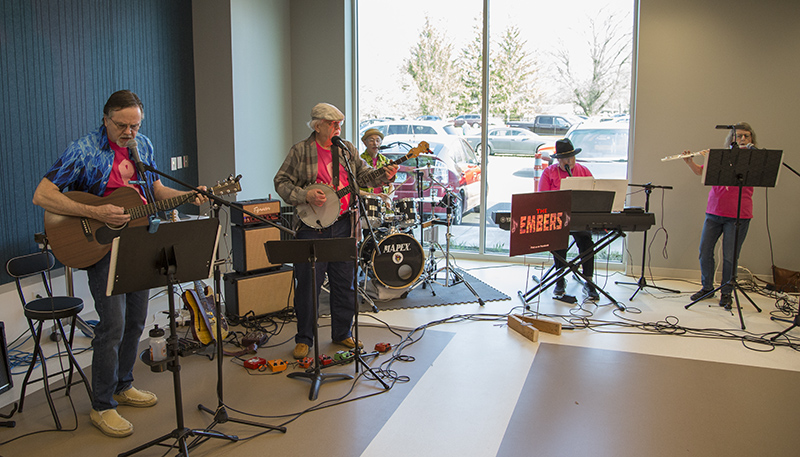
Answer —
564 149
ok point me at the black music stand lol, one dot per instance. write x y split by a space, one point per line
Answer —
642 282
175 253
313 251
740 167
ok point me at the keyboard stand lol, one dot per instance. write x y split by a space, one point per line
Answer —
573 266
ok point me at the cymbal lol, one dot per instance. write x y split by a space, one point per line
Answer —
426 167
427 199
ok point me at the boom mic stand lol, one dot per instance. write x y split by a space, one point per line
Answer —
220 414
642 282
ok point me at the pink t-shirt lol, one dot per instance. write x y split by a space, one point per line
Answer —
122 172
724 200
325 174
552 176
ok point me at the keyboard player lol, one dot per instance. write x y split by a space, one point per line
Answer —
566 166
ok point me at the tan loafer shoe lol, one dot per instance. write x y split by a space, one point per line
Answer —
136 397
300 351
111 423
349 343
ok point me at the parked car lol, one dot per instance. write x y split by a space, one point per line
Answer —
452 164
471 119
428 117
604 147
548 124
508 140
408 130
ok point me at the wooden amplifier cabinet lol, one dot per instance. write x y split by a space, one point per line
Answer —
262 293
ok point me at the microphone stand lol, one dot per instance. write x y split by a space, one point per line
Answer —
355 204
642 282
220 414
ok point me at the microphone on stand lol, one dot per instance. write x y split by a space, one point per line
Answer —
566 167
133 150
338 142
725 127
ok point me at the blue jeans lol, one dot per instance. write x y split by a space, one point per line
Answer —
713 227
116 336
340 282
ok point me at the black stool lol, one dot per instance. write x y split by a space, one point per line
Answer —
49 308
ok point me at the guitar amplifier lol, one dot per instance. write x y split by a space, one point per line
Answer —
249 253
261 293
267 208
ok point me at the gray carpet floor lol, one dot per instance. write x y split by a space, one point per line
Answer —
625 404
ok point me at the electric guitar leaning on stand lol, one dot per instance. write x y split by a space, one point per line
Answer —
79 242
204 317
324 216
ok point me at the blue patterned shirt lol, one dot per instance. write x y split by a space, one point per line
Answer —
86 163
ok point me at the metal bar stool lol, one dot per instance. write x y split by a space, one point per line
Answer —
48 308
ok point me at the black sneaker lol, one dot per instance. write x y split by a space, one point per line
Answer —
591 292
561 287
700 293
726 301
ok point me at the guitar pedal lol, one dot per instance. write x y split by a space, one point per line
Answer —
305 362
254 363
276 365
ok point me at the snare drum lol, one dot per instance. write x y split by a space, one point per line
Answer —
405 212
398 261
373 206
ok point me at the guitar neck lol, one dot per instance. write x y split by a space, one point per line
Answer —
137 212
372 175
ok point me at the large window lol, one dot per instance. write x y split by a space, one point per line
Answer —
557 69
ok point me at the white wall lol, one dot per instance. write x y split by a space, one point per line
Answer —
706 63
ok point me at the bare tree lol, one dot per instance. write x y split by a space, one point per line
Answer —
609 40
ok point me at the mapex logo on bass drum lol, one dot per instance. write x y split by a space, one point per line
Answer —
397 258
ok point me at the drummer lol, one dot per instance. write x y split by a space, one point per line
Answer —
372 139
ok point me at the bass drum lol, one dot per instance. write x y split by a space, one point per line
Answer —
398 261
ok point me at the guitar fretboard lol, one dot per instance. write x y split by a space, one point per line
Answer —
137 212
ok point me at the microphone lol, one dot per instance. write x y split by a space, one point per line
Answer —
386 146
133 150
725 127
338 142
566 167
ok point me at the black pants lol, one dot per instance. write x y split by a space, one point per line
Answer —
585 244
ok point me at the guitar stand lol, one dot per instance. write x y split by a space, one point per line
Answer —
642 282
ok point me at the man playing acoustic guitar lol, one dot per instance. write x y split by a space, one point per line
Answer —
311 161
99 163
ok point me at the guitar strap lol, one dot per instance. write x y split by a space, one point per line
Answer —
335 166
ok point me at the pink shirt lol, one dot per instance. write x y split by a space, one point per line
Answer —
724 200
552 176
122 171
325 174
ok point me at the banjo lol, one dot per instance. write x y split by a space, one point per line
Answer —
320 217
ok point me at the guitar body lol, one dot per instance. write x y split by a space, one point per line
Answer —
320 217
204 316
74 240
81 242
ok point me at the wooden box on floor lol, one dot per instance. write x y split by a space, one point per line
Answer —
262 293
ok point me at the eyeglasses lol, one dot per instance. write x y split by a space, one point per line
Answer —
743 135
125 127
335 123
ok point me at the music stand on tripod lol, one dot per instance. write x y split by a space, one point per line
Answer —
740 168
312 251
175 253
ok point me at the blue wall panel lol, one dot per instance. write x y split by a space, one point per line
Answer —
59 62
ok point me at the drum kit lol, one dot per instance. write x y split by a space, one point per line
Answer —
390 255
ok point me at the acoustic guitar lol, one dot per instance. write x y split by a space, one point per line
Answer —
320 217
204 314
79 242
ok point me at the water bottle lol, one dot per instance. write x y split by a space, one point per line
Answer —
158 344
